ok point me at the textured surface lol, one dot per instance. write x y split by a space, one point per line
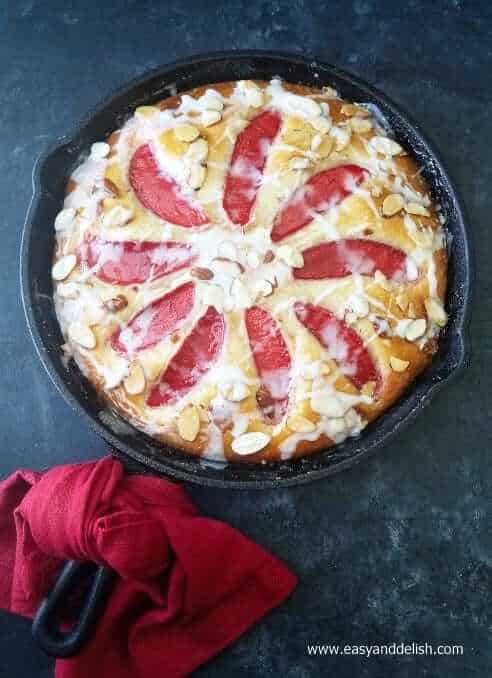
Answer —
398 549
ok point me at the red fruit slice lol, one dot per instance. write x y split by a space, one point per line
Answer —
340 258
272 361
131 262
247 163
197 354
161 194
322 192
156 321
342 342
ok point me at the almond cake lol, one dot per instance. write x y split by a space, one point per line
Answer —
250 271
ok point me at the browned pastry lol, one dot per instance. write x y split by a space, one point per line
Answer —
250 271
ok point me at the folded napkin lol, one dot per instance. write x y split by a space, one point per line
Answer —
187 586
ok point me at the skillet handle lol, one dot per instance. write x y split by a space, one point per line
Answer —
45 627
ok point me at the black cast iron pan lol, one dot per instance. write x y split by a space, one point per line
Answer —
132 446
50 178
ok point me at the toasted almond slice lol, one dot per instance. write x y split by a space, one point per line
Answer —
330 91
415 329
117 216
299 163
210 118
82 335
417 208
213 295
240 294
64 219
135 381
197 176
213 101
100 150
328 405
402 301
290 256
352 109
322 124
146 111
300 424
342 136
226 266
398 365
69 290
236 392
264 288
316 142
385 146
249 443
202 273
392 204
189 423
435 311
360 125
63 267
186 132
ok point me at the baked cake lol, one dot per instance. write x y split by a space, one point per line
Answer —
250 271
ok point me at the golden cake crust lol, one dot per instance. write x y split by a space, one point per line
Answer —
395 308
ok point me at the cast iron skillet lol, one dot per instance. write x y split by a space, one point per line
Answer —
134 447
50 178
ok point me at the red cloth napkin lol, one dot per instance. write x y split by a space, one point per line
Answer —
188 586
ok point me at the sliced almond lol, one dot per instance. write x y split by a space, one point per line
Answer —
326 147
135 381
69 290
117 216
300 424
249 443
189 423
82 335
325 369
100 150
290 256
226 266
264 288
186 132
269 256
402 301
63 267
64 219
116 304
316 142
197 176
417 208
236 392
330 91
213 100
398 365
435 311
299 163
213 295
322 124
360 125
210 118
392 204
416 329
146 111
352 109
342 136
327 404
385 146
111 187
202 273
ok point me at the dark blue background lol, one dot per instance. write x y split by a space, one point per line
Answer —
398 549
